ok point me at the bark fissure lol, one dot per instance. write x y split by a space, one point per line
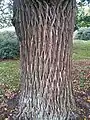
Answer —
45 34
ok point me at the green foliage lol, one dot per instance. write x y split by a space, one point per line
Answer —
8 35
79 16
82 14
83 34
5 13
9 45
81 50
82 17
85 1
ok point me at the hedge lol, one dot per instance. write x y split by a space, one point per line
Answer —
82 34
9 45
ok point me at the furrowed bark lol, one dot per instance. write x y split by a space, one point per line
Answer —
45 30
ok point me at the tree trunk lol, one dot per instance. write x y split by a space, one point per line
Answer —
45 30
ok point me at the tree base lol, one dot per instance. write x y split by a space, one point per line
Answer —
71 116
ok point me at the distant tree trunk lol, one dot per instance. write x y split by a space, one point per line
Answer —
45 30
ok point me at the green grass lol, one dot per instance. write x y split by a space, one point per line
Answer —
9 74
9 70
81 50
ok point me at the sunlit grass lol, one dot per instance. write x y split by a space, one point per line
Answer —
81 50
9 73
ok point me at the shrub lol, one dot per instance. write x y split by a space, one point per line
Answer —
9 45
83 34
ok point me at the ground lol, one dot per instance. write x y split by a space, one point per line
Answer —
9 82
81 87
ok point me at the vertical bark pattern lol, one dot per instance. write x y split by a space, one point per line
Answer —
45 33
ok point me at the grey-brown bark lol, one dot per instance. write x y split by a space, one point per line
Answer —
45 31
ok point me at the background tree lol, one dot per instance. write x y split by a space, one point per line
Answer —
5 13
83 16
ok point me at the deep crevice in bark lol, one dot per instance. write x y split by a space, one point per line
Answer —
45 34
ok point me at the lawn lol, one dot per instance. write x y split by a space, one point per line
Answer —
81 50
10 74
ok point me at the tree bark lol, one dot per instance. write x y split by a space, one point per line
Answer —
45 30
